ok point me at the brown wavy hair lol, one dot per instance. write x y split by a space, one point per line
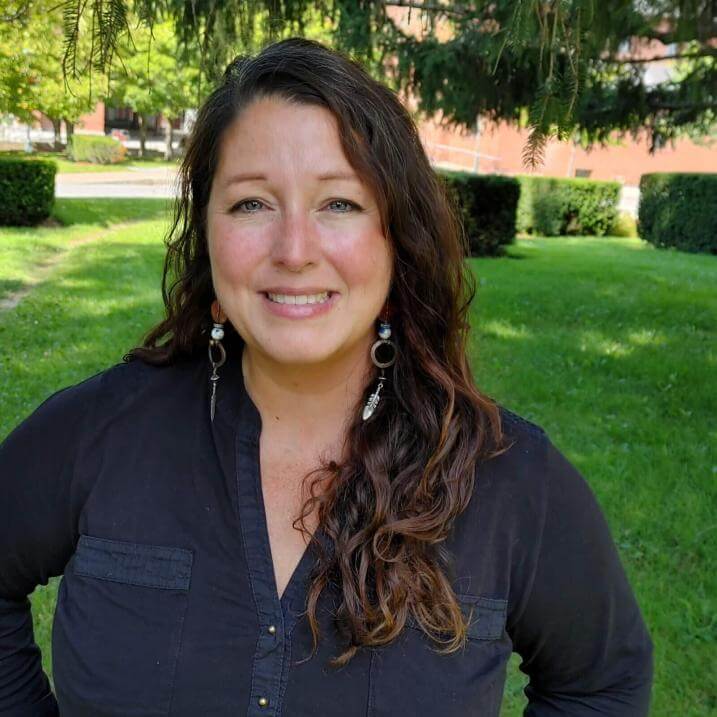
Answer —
388 507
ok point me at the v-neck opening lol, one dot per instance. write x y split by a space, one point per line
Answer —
237 405
300 571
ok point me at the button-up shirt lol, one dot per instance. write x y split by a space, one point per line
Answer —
153 514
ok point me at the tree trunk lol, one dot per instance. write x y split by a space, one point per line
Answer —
56 129
168 136
70 130
142 133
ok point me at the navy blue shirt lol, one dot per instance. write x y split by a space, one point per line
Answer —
168 606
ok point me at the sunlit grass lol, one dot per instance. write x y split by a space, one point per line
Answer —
611 346
26 250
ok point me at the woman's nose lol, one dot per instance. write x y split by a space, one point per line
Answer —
294 243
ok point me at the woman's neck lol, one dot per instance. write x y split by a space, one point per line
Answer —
312 404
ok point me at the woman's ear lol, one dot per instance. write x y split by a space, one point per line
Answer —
217 314
387 311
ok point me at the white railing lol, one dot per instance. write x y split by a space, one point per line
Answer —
476 156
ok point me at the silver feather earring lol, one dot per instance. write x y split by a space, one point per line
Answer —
215 345
384 334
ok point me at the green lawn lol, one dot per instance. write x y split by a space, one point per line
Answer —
607 343
65 166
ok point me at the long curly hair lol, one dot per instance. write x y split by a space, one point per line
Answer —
388 507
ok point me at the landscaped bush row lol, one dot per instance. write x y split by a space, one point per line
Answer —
679 210
487 206
96 148
27 189
555 207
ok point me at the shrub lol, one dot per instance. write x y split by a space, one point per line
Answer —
679 210
96 149
487 207
549 211
624 226
553 206
27 188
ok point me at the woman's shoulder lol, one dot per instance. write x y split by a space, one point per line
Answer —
523 440
137 380
518 427
530 473
527 468
106 393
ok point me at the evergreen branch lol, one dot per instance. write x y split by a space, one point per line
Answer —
676 106
707 52
428 7
71 14
534 151
507 34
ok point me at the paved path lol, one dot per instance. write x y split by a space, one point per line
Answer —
629 199
129 183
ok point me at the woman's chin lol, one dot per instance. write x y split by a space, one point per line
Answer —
300 356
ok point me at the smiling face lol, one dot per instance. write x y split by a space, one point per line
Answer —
288 215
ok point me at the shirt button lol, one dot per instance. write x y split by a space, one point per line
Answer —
271 629
263 702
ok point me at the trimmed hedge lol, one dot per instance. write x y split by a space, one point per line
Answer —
96 149
679 210
27 188
487 205
557 207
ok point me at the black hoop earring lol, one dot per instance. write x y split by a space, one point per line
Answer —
384 335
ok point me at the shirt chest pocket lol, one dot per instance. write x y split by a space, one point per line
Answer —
410 677
117 629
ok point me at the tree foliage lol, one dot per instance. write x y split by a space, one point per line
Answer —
560 66
31 78
149 79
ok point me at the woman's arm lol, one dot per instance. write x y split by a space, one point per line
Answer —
580 633
37 536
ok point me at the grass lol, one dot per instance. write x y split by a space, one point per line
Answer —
611 346
607 343
25 251
66 166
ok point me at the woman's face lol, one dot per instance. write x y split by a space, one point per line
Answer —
287 221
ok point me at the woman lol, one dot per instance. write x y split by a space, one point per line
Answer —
292 499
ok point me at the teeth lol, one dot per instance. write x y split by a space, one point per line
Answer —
301 299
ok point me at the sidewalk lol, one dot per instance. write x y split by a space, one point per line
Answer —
130 183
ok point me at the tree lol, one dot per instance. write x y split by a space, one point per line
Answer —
149 78
560 66
565 68
31 77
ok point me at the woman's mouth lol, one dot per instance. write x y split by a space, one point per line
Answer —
299 299
300 306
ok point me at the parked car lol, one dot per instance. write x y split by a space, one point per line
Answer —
121 134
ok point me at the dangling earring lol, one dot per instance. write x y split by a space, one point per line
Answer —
215 343
384 334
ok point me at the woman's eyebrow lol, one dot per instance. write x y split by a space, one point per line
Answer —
324 177
347 176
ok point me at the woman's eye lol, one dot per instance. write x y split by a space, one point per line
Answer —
252 206
247 203
346 203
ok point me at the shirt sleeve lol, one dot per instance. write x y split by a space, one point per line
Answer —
38 519
581 636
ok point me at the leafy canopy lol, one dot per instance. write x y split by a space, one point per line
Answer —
577 68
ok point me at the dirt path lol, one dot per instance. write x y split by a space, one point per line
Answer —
45 268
